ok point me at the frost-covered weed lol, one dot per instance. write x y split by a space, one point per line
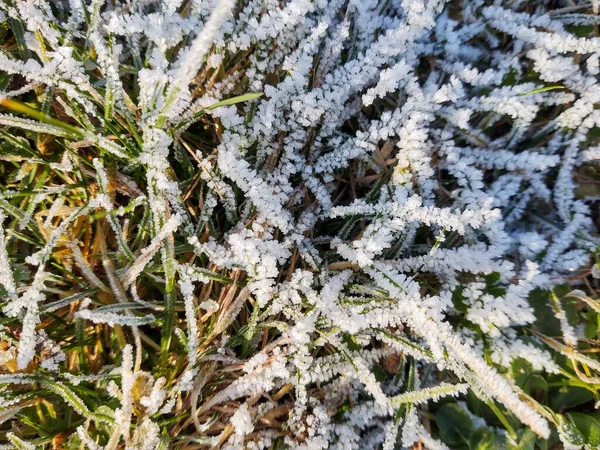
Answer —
297 224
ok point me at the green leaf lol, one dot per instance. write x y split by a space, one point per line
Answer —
454 425
18 443
568 432
212 275
590 330
227 102
351 342
588 426
380 374
482 439
543 89
55 126
458 300
233 100
492 278
569 396
430 393
526 441
546 322
526 378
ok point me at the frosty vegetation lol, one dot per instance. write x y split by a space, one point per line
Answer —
297 224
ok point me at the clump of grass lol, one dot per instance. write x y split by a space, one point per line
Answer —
297 225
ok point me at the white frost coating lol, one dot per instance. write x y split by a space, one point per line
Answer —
186 287
241 421
113 319
194 55
127 382
6 276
